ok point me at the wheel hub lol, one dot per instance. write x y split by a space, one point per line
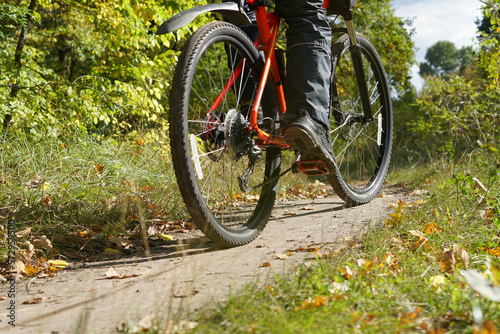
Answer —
213 138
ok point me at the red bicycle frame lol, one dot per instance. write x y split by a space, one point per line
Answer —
268 24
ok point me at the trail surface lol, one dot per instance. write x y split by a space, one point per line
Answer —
187 274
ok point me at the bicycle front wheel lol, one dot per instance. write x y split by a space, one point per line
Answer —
215 80
362 149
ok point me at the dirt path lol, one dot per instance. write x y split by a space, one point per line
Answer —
184 276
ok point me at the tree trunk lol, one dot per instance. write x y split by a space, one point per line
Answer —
17 57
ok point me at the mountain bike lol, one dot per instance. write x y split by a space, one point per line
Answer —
226 103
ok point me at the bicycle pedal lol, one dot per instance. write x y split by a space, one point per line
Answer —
313 167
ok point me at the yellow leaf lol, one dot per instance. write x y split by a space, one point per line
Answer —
45 186
437 280
111 251
59 264
495 270
165 237
30 270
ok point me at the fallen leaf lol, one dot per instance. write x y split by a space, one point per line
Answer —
454 258
319 301
487 215
45 186
30 270
23 233
43 241
307 207
33 184
121 242
99 168
145 324
33 301
165 237
47 201
431 228
347 273
495 272
111 273
415 314
281 256
19 267
336 286
289 213
437 281
265 264
180 294
58 264
397 215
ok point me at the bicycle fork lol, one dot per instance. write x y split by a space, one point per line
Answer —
355 50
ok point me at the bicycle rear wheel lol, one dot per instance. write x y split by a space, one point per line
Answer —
210 143
362 150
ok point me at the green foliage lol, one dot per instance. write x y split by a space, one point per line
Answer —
391 36
443 57
489 60
92 64
455 113
454 117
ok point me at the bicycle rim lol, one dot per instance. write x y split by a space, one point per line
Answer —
362 150
210 140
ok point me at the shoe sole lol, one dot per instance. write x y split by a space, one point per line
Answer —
300 140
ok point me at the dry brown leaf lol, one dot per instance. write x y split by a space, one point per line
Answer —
184 294
451 259
265 264
489 327
23 233
42 242
366 264
33 301
431 228
487 215
319 301
307 207
111 273
282 256
19 267
289 213
121 242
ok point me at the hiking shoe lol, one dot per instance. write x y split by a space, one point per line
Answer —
310 138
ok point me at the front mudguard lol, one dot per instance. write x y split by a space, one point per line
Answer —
230 10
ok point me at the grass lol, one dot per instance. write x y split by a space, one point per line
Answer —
402 276
60 187
63 188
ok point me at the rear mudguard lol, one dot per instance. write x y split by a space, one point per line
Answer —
230 10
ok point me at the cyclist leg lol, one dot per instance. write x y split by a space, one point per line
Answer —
308 77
